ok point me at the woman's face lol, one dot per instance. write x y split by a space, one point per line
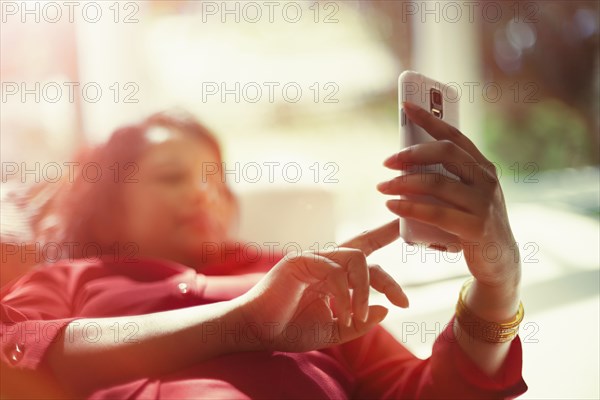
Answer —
179 203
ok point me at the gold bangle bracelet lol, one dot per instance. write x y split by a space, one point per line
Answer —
481 329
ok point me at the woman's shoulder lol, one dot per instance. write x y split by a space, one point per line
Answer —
49 274
237 258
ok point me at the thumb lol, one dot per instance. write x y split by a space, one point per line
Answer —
359 328
375 316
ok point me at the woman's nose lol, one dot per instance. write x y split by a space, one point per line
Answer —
204 192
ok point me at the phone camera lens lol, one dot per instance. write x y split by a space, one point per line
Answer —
436 97
436 107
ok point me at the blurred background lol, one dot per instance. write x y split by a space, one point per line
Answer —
310 89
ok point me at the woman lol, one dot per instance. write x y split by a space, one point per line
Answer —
151 313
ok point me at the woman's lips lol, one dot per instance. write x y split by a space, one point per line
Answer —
196 220
201 222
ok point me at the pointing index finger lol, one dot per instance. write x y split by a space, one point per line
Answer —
375 239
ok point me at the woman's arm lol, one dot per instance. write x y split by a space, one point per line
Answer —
492 303
145 345
385 368
294 292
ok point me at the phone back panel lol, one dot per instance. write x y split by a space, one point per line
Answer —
416 88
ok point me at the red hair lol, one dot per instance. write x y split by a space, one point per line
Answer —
87 210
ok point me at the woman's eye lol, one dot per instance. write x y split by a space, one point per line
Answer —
172 178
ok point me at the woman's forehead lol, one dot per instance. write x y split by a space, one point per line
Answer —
171 145
159 134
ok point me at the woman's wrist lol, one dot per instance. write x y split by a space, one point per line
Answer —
495 303
486 336
240 334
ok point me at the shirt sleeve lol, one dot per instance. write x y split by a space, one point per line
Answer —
33 312
237 258
384 368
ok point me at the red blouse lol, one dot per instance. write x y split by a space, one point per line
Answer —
35 307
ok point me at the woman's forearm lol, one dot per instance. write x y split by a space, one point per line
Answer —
492 303
138 346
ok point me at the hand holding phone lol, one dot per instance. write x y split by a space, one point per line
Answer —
466 210
442 102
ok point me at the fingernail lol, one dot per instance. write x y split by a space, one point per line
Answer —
435 246
407 302
410 106
383 316
365 313
394 204
383 185
390 160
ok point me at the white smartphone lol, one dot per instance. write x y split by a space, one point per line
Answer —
442 101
